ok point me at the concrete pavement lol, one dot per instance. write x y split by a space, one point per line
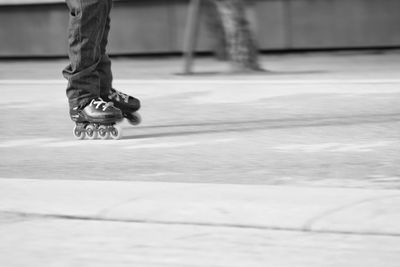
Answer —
109 223
313 209
296 167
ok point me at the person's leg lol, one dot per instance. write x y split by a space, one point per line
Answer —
104 66
128 104
91 114
85 31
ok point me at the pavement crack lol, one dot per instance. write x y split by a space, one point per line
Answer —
200 224
308 226
103 212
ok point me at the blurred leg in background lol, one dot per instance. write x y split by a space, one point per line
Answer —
241 45
215 29
229 25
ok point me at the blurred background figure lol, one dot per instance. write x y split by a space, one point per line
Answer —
234 40
215 29
239 29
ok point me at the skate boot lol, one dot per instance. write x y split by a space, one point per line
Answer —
127 104
97 119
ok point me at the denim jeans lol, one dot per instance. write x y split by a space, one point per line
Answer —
89 72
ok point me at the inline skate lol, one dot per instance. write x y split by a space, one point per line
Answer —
129 105
97 119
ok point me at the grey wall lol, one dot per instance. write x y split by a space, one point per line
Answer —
157 26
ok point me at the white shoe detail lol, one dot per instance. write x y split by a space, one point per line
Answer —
100 103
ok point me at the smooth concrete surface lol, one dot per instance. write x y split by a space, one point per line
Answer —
334 210
53 242
297 166
106 223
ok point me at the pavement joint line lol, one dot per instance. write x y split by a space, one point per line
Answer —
216 81
202 224
309 224
23 179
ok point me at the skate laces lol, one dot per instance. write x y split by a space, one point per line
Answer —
117 95
101 103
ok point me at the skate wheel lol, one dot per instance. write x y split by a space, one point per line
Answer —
78 133
91 132
103 132
134 118
116 132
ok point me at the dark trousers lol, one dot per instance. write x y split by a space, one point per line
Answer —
89 72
